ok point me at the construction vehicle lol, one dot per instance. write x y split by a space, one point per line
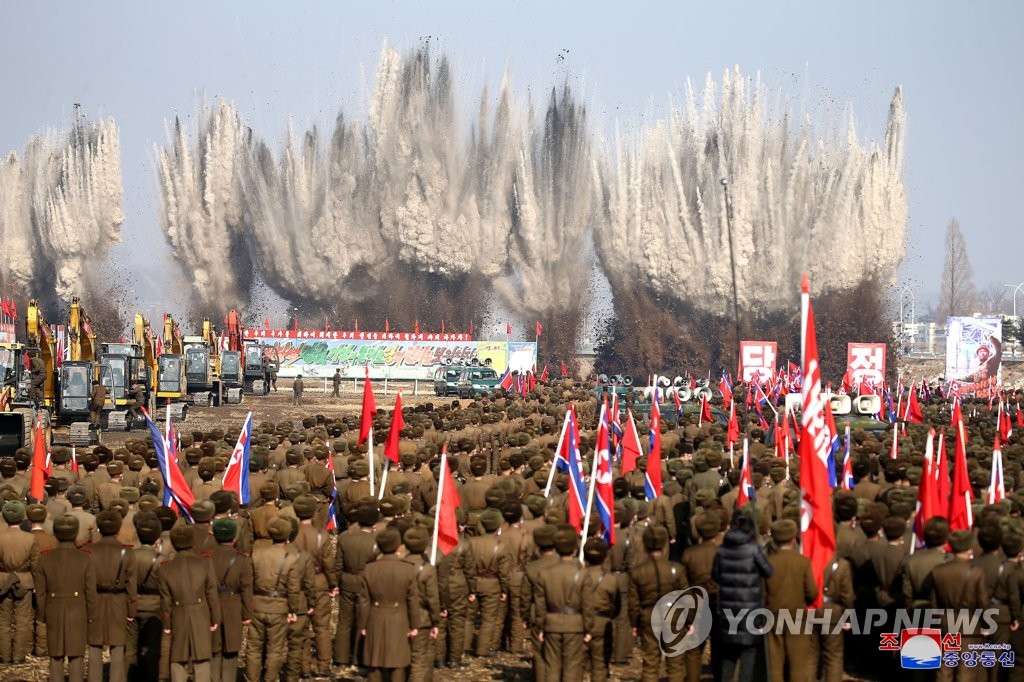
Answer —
17 413
171 384
252 355
131 365
202 368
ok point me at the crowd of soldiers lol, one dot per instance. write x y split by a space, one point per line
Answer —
100 569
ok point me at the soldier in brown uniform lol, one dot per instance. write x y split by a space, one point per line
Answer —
65 596
428 614
563 597
917 568
189 608
825 648
277 599
519 546
606 603
791 587
97 398
202 513
488 568
317 543
958 585
1006 596
697 562
453 591
86 521
142 651
621 557
36 514
356 548
260 517
18 556
388 602
233 572
116 599
649 582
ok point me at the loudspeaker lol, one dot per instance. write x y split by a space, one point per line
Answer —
627 380
794 402
679 381
840 404
867 404
603 378
664 382
684 393
702 393
488 362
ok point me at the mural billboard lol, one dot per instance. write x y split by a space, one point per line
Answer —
974 353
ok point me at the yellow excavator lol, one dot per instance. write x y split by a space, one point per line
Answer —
17 409
132 366
202 367
171 383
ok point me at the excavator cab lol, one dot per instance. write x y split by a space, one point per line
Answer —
118 372
231 367
170 377
16 413
75 389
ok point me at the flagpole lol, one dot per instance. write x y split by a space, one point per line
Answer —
558 448
384 478
437 510
370 454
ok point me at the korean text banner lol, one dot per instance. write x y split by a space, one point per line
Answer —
865 363
394 359
758 357
974 351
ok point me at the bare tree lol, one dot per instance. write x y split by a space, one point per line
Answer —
956 292
994 299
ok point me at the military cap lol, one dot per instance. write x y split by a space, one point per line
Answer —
408 459
491 520
293 490
544 536
554 516
148 502
269 491
36 513
936 531
77 495
388 506
8 493
304 506
870 523
279 529
388 540
1013 543
293 457
225 530
783 531
202 511
894 527
130 494
961 541
367 514
60 455
595 551
708 525
223 501
655 538
182 537
147 527
120 506
167 517
8 467
536 504
416 540
65 527
401 488
108 522
565 541
359 468
846 507
115 468
478 466
494 497
13 512
704 497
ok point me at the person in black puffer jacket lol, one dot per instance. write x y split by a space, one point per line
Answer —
740 568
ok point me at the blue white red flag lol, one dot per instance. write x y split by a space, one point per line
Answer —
847 482
177 493
570 429
236 473
577 486
605 497
746 488
505 381
616 427
652 478
332 509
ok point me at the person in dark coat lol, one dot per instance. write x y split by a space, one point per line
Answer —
116 598
739 568
297 391
233 571
189 607
389 601
65 596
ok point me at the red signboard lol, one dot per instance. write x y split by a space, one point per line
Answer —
865 363
312 334
757 357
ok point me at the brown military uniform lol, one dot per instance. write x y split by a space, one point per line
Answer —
298 659
649 582
189 608
356 548
791 587
116 602
427 616
142 651
958 585
518 544
453 592
917 575
606 604
277 593
65 586
317 543
488 570
534 569
18 556
827 649
388 603
564 602
697 563
233 573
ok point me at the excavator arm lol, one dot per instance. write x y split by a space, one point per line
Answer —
81 338
39 336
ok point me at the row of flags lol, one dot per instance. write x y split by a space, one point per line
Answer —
8 310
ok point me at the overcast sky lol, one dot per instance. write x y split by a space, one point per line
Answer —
302 62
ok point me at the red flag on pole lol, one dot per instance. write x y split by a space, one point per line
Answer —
941 477
387 325
746 487
996 488
508 328
705 411
446 525
397 424
369 409
442 326
416 327
630 445
926 497
39 467
544 375
733 434
913 414
540 328
818 540
961 517
565 372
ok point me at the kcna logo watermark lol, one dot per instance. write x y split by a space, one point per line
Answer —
929 649
682 620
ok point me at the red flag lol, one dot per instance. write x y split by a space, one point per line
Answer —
652 484
705 411
387 325
913 413
746 488
942 477
960 515
74 459
544 375
471 328
630 445
532 381
726 390
926 498
540 328
397 424
369 409
357 325
416 327
818 540
733 434
446 524
782 436
565 373
327 325
442 326
1005 423
40 469
996 489
508 328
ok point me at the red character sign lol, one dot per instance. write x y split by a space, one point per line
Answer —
865 363
757 357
